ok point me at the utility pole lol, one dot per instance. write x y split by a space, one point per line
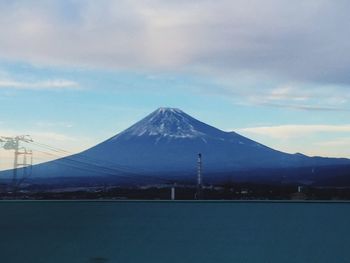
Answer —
15 162
13 143
198 195
173 192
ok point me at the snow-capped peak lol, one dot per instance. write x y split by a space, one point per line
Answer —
165 122
163 110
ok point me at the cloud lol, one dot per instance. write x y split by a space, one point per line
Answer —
294 130
39 85
273 53
337 143
50 124
312 140
44 144
299 40
44 136
260 91
302 107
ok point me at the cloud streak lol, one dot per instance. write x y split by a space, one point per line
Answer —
302 107
39 85
257 91
295 130
312 140
66 141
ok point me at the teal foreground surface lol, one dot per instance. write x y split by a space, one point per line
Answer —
98 232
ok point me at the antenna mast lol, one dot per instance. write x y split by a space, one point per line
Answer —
198 195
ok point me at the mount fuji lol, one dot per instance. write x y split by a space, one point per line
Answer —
169 140
166 143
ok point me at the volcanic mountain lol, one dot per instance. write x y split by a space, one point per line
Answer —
166 142
169 140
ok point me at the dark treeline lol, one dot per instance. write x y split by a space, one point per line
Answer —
307 183
242 191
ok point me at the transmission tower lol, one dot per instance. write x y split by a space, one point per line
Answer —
13 143
199 177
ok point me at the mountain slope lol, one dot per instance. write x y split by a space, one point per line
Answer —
167 141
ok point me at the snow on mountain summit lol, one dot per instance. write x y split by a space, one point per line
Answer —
166 122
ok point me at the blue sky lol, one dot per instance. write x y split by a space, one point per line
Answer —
73 73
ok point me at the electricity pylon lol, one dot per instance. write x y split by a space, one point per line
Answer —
13 143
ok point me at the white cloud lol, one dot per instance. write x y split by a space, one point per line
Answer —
312 140
39 85
286 92
50 124
41 136
337 143
258 90
295 131
41 153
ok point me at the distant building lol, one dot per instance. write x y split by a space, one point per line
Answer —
299 195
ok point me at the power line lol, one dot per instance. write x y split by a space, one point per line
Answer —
76 161
94 167
65 162
121 167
